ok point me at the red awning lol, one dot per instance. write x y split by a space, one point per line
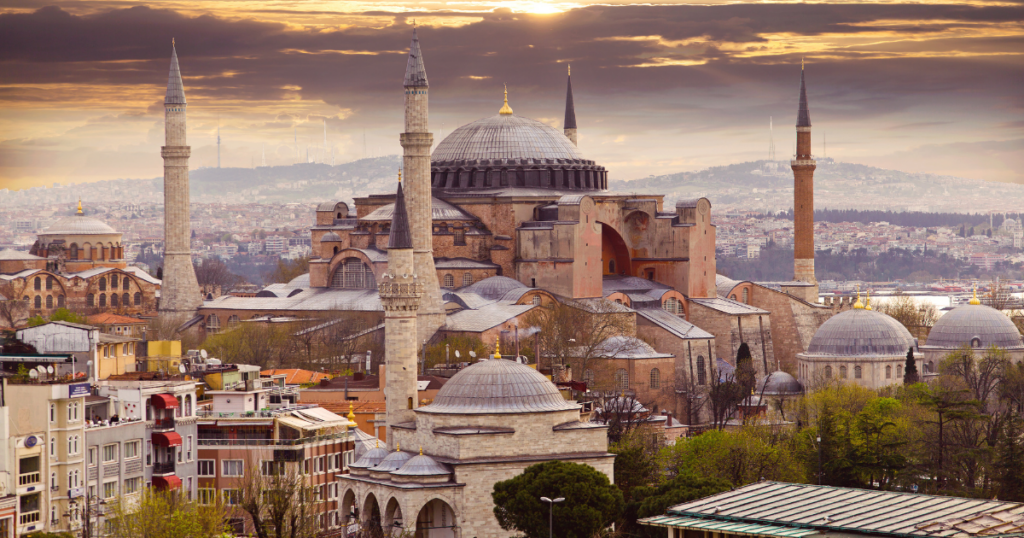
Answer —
166 439
164 401
166 482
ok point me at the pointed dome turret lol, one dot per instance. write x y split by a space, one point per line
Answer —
415 72
175 89
570 109
400 236
803 117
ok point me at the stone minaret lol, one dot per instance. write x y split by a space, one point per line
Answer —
570 111
179 293
400 294
803 195
417 141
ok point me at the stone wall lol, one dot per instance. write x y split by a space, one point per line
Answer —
794 322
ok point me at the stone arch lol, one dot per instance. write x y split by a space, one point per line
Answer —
393 513
437 518
73 251
620 298
615 258
86 251
345 255
349 510
371 515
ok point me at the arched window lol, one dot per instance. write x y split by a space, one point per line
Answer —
335 249
536 300
611 266
114 300
124 283
138 298
213 323
842 372
888 372
90 300
828 372
928 367
113 282
103 299
673 305
655 379
460 236
53 480
621 380
857 372
352 273
449 281
49 282
975 342
38 301
53 447
899 370
60 301
588 378
74 251
232 321
38 283
125 300
49 301
746 295
467 279
103 284
702 374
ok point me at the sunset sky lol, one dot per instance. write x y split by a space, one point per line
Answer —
925 86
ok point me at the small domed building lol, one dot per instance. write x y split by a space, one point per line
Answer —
85 243
490 422
861 346
974 325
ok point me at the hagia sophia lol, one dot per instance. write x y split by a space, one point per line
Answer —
507 216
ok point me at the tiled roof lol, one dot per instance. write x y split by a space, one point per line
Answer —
107 318
296 376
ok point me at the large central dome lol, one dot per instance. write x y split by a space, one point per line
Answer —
508 151
860 332
505 136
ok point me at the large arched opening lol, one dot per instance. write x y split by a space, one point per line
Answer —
436 520
393 519
371 516
349 511
614 253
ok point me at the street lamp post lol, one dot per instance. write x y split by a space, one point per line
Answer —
551 514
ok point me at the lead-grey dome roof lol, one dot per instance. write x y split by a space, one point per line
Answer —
393 462
372 458
494 287
505 136
779 383
79 225
964 323
498 386
422 465
860 332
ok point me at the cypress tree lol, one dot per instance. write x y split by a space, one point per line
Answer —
910 369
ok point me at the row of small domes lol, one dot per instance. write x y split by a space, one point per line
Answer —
400 463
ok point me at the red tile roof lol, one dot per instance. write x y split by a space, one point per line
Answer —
296 376
107 318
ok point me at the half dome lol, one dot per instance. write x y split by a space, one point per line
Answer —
860 332
498 386
976 326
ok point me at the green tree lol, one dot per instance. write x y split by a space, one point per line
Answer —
636 461
591 503
286 270
740 457
61 314
1010 460
910 369
164 514
655 500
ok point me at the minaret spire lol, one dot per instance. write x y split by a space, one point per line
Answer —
803 166
569 128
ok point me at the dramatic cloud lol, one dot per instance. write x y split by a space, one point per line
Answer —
659 88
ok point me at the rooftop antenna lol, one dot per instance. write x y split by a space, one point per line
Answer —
771 140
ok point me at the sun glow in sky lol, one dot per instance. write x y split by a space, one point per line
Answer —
660 87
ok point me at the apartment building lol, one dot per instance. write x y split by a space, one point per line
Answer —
97 353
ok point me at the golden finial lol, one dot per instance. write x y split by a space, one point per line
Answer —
570 70
974 300
497 348
421 451
398 447
399 175
79 206
801 63
172 41
351 414
867 301
858 305
378 443
505 109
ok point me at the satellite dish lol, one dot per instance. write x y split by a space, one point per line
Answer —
49 369
33 374
181 368
89 363
202 353
472 354
457 354
41 369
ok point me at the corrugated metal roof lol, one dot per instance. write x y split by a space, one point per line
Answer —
879 513
727 526
312 299
673 323
727 306
439 210
484 317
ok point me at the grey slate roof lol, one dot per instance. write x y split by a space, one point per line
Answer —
801 507
484 317
393 462
309 299
175 89
400 237
727 306
724 285
612 284
493 287
371 458
422 465
860 332
505 136
803 116
498 386
570 109
462 263
964 323
779 383
415 72
674 324
439 210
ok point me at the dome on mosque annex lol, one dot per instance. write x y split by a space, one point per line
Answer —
976 325
860 332
498 386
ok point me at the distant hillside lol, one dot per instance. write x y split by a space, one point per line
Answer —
768 186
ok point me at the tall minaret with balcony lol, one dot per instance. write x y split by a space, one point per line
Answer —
179 292
416 143
569 127
803 196
400 294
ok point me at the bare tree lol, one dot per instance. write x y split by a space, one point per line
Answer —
279 500
915 316
622 413
215 272
724 395
251 342
13 310
576 332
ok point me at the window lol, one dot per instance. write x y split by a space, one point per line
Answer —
53 480
702 375
842 372
72 444
125 284
92 456
110 453
38 301
207 468
53 447
899 370
103 299
132 485
588 378
38 283
49 301
467 279
188 488
232 321
272 468
857 371
110 489
449 281
73 412
621 380
460 236
53 412
231 468
60 301
231 496
131 449
888 372
347 458
352 273
124 299
149 449
138 299
213 323
536 300
746 295
188 447
113 282
206 495
828 372
90 300
673 306
103 284
113 299
655 378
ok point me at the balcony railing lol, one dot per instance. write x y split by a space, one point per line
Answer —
28 517
166 467
164 423
272 442
28 478
265 413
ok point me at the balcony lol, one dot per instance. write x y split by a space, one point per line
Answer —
272 442
163 468
28 517
163 424
28 479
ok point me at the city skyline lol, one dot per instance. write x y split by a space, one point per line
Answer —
659 88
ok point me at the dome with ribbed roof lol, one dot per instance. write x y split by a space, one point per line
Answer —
974 325
372 458
393 462
860 332
779 383
505 136
422 465
494 287
79 225
498 386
